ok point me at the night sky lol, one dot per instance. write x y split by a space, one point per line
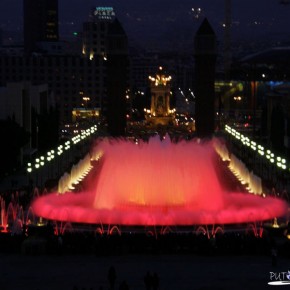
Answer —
159 22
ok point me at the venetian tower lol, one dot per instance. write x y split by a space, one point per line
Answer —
205 60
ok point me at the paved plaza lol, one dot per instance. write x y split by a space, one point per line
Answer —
178 272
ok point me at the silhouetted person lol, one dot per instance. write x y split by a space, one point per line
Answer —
59 244
155 281
124 286
49 229
112 277
148 281
274 256
24 229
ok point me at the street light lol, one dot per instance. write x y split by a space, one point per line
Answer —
86 100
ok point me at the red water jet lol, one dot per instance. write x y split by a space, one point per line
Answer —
157 183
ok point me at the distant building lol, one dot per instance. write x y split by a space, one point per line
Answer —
22 102
278 116
17 99
40 23
70 77
266 75
87 114
15 50
95 32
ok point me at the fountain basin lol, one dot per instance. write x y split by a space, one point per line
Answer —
157 183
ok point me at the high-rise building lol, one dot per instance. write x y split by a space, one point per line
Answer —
95 32
40 23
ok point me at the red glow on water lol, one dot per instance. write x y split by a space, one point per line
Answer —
157 183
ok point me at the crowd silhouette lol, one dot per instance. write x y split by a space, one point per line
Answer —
151 282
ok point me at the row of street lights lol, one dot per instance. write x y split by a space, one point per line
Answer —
44 162
268 154
270 166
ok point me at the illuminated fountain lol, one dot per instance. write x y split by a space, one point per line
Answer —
3 216
78 173
13 217
157 183
253 181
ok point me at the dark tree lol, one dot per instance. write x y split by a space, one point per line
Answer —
277 129
48 130
13 138
112 277
45 129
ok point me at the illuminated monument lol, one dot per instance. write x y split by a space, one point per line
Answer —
160 112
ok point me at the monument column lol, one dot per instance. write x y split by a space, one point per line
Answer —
205 60
160 113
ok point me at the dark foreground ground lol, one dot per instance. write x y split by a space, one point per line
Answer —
89 272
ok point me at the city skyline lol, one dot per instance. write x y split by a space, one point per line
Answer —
156 24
